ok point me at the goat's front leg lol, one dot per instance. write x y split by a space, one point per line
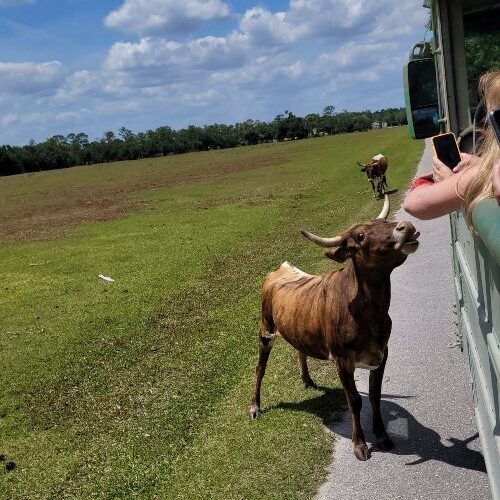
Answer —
382 440
346 374
380 187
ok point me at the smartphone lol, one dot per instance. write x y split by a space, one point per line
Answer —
446 149
494 119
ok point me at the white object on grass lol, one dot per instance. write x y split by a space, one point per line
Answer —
106 278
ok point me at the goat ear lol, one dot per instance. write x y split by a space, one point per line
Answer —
339 254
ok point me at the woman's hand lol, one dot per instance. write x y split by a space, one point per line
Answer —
439 170
463 162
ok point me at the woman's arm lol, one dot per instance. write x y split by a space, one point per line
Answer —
429 202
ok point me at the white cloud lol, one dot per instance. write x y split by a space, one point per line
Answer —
332 19
156 61
9 119
30 77
146 52
83 83
313 19
153 16
202 98
357 55
265 28
399 20
262 71
67 116
332 16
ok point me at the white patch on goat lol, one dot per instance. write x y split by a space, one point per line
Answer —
294 269
399 236
268 335
378 157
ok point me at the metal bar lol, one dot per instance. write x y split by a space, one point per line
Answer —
459 62
445 69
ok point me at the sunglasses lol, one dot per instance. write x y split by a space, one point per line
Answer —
494 119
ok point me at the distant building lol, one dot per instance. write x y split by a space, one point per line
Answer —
379 125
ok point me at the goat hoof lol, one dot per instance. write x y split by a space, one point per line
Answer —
254 412
309 384
361 452
384 443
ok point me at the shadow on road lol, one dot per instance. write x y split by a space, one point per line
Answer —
409 435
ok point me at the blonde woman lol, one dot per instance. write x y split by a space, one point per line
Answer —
474 179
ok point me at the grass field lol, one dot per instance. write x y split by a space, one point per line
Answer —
140 388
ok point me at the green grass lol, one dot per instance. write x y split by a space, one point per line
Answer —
140 388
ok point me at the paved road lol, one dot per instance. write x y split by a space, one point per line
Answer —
427 399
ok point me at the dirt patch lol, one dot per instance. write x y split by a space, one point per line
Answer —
48 205
56 220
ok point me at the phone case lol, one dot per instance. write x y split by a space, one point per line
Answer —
439 135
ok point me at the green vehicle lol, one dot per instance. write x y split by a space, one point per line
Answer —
441 81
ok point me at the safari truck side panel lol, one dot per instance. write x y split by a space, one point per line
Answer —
476 257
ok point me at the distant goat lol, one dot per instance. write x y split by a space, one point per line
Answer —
375 170
342 315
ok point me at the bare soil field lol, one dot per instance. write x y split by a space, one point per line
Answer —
44 205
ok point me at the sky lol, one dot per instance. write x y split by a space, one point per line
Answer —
97 65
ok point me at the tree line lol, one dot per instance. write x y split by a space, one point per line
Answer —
62 151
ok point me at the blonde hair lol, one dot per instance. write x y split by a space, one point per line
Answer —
480 187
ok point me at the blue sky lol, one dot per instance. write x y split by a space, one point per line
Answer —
91 66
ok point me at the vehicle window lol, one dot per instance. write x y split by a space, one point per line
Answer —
482 47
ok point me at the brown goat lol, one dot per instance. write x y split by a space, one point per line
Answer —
342 315
375 171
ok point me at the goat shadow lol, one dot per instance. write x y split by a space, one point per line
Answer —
409 435
387 192
391 191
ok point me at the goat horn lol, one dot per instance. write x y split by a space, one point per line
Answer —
385 209
360 164
323 242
